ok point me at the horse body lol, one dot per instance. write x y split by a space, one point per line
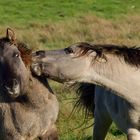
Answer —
112 67
28 107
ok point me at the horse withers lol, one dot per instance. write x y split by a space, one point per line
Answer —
28 107
116 68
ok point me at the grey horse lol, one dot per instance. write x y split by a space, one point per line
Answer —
28 108
115 68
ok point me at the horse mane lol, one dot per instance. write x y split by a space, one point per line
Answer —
85 100
25 53
131 55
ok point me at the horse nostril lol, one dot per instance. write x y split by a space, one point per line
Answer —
15 83
36 69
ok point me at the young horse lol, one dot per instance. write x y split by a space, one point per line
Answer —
114 67
28 108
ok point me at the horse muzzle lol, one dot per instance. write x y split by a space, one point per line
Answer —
13 89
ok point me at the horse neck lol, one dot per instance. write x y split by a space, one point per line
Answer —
119 77
37 93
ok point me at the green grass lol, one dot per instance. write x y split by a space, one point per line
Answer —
30 12
113 8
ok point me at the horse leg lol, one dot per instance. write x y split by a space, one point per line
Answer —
101 126
133 134
102 120
51 134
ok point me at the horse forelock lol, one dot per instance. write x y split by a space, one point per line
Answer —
25 53
131 55
5 40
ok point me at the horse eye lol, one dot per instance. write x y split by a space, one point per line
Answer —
68 50
16 55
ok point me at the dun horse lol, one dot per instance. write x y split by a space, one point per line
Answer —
28 108
115 68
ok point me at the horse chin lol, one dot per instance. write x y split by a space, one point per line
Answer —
69 83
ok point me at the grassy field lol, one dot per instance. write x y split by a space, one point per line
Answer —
58 23
28 12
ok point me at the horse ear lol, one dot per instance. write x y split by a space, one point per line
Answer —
10 34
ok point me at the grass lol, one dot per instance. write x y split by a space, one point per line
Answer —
115 8
59 23
89 28
29 12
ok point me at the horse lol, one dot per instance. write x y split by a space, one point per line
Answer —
115 69
28 106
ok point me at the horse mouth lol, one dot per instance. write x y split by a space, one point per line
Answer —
36 69
13 90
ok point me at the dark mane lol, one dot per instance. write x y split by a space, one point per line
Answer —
131 55
85 99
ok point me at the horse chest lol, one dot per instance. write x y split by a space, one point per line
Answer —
28 121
